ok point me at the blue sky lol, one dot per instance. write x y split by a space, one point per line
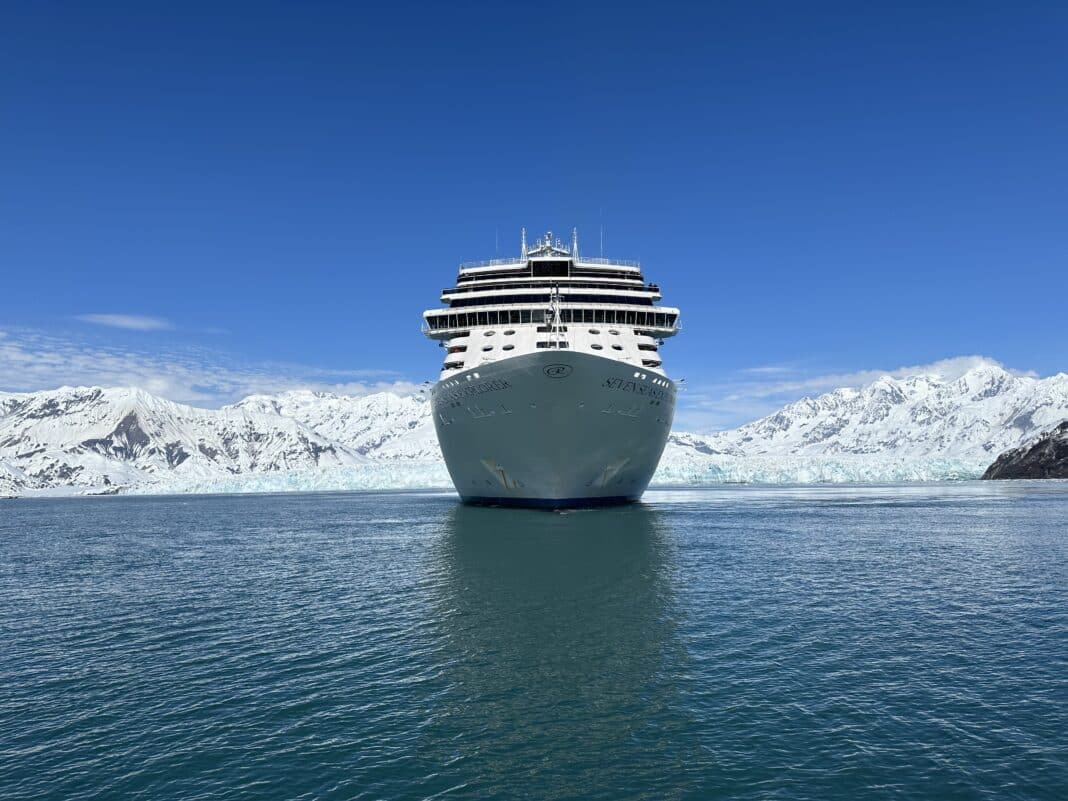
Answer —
211 199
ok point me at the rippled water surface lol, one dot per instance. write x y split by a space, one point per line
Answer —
895 642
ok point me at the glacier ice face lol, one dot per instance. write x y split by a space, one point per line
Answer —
78 439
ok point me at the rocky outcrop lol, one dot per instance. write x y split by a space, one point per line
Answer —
1043 457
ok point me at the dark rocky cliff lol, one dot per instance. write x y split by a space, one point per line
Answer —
1045 457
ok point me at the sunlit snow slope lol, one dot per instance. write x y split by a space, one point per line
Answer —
77 440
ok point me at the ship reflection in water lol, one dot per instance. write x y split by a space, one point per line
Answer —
559 630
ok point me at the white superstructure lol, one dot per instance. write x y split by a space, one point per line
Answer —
552 389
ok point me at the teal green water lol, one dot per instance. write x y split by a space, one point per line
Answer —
895 642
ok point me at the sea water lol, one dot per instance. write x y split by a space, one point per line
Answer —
787 643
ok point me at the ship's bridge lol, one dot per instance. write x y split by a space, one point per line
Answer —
547 287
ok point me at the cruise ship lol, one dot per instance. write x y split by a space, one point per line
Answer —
552 391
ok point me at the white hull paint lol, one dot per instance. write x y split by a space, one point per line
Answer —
553 428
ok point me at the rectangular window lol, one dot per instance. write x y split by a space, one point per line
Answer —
524 316
548 269
513 316
482 318
598 316
630 317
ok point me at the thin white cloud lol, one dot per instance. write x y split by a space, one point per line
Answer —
132 322
946 369
770 369
30 360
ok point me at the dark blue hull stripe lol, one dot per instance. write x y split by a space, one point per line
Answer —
550 503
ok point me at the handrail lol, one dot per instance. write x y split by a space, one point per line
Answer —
549 282
470 265
598 260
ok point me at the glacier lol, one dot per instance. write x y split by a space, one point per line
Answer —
92 440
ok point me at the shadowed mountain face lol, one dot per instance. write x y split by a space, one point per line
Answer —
1044 457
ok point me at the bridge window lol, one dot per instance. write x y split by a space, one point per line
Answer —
548 269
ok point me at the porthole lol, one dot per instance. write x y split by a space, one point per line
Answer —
489 333
595 330
508 347
614 332
597 346
509 332
487 347
617 347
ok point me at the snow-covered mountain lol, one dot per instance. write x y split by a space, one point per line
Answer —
105 440
109 439
918 428
382 426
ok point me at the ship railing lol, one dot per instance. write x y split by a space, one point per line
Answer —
599 260
471 265
547 282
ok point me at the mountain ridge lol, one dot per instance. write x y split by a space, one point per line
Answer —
93 439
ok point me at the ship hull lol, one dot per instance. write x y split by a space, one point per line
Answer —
553 429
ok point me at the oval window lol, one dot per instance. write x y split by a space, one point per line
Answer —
595 330
614 332
595 346
508 347
488 333
617 347
509 332
487 347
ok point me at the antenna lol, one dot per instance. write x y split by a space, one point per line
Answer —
523 244
574 243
